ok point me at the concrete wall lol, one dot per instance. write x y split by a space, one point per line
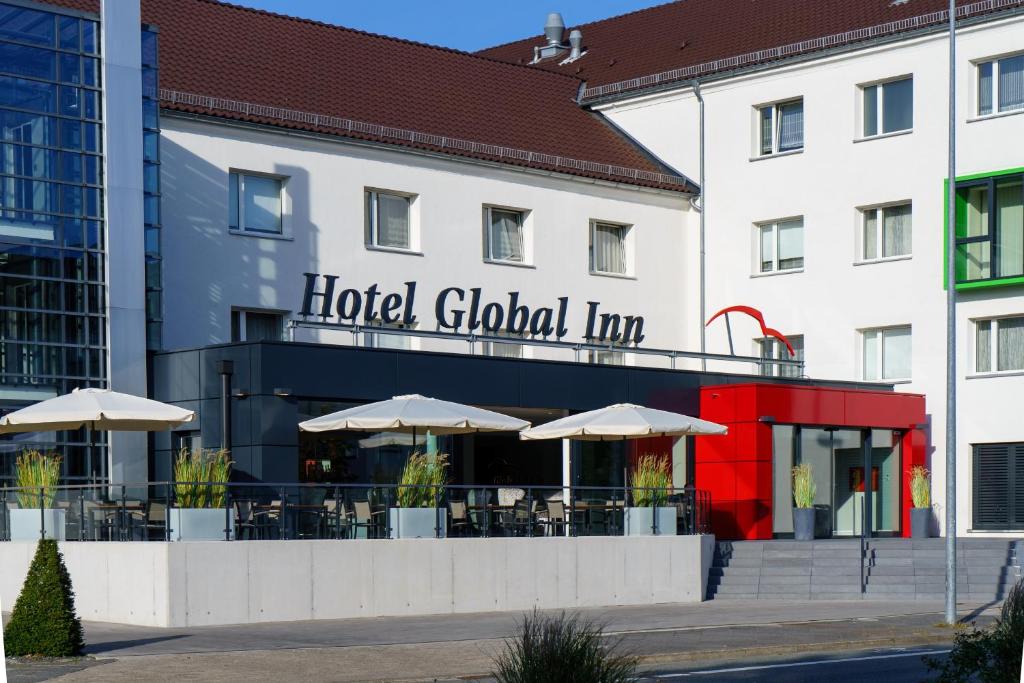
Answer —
836 295
192 584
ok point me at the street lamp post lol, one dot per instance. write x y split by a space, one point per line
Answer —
951 332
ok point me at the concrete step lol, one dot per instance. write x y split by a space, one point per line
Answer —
784 580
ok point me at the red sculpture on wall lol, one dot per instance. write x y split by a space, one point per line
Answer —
759 317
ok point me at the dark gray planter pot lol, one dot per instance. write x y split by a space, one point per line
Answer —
803 524
920 522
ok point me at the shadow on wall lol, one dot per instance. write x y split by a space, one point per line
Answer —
209 270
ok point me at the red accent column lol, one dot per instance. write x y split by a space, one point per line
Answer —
913 449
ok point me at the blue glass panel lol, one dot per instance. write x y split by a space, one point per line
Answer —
71 167
150 146
93 170
29 195
69 104
70 69
91 104
29 260
93 235
90 71
31 95
149 48
74 265
150 114
73 235
92 201
70 134
32 129
91 137
89 43
72 200
35 162
151 211
23 60
69 33
26 25
151 178
149 83
152 236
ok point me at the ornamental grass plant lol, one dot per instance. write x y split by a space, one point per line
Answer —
201 477
561 649
43 622
651 481
804 488
37 472
421 481
921 486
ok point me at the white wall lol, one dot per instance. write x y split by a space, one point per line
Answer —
192 584
209 270
833 298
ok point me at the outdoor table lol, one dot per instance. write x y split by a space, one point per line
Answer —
112 516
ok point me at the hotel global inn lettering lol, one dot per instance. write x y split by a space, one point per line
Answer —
455 308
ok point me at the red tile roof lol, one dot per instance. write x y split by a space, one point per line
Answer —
684 39
239 63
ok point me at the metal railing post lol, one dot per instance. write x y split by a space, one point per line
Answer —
437 511
121 518
227 513
167 513
81 514
42 513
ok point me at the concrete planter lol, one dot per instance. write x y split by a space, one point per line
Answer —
640 521
803 523
25 524
417 522
920 522
198 524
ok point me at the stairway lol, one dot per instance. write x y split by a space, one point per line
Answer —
894 569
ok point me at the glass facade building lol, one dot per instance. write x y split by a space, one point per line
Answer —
151 185
52 273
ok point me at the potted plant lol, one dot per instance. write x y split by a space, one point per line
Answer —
200 493
804 491
651 483
37 475
921 493
417 513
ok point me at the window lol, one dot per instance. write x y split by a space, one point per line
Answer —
885 232
887 354
780 127
503 235
384 340
773 349
254 203
609 248
606 357
780 245
502 349
888 107
998 486
990 228
254 325
999 345
388 220
1001 85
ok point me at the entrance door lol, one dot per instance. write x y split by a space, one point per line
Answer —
836 457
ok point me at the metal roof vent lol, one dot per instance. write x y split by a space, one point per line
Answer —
575 45
554 29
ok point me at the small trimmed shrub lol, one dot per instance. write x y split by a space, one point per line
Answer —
421 479
198 475
43 622
921 486
804 488
561 649
651 480
990 655
35 471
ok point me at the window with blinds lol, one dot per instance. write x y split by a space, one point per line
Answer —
998 486
388 223
780 127
1000 85
888 107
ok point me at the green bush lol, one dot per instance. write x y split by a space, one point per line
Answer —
43 622
987 655
421 481
651 480
561 649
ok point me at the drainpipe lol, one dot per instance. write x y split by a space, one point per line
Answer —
702 209
225 368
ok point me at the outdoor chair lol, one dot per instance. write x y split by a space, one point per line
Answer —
153 522
368 519
268 520
336 520
522 518
460 524
552 519
245 520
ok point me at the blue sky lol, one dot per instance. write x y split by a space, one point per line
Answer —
462 24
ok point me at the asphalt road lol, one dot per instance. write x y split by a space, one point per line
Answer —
874 666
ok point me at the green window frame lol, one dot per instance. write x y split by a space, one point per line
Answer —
990 229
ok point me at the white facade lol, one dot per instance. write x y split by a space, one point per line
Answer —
324 182
836 295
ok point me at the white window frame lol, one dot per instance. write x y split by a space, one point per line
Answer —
880 107
241 229
243 312
371 337
880 361
780 352
628 249
993 347
759 152
774 225
487 347
370 220
994 61
526 233
879 211
616 357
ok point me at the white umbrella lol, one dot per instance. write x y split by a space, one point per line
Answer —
391 439
622 421
414 412
96 409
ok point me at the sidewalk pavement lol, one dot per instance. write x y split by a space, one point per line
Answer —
462 646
